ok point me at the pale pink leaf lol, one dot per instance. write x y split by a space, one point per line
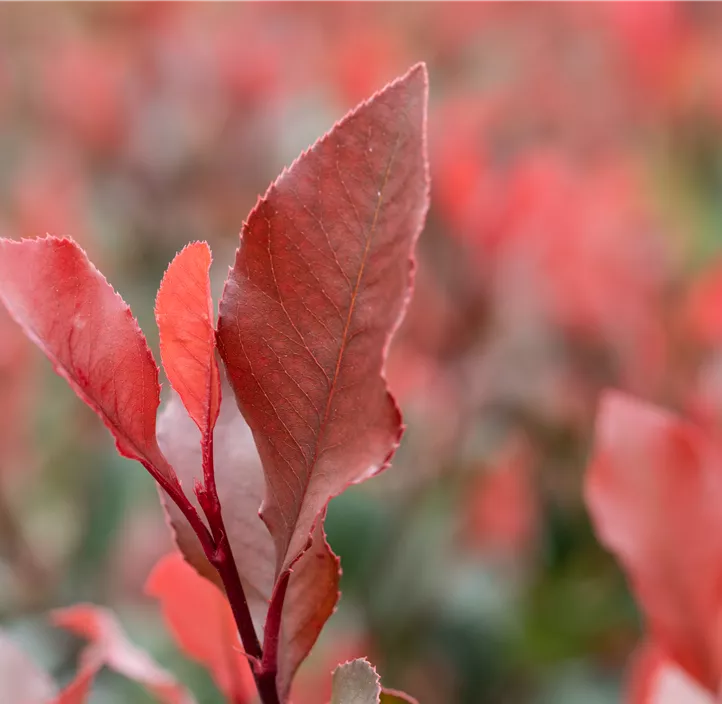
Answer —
109 646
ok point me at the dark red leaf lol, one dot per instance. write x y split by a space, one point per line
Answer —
69 310
319 284
201 621
654 490
184 313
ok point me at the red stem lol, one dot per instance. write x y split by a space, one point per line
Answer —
222 559
272 627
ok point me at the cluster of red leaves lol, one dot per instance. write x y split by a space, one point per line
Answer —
319 284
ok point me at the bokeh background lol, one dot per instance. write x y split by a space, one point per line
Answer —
573 243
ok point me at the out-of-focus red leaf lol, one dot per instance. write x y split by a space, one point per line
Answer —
184 313
501 507
703 310
644 666
654 491
201 621
319 283
313 586
78 691
109 646
311 599
654 679
65 305
21 680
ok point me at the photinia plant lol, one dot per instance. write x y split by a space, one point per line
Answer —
319 284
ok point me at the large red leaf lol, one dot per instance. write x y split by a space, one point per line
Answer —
110 647
319 283
201 621
184 313
71 312
313 586
654 491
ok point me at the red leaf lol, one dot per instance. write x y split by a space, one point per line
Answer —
313 586
656 680
201 621
69 310
21 680
110 647
311 599
319 284
654 492
184 313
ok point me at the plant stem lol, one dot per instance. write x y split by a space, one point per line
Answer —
222 559
272 628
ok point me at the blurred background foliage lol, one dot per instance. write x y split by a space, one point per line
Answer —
573 243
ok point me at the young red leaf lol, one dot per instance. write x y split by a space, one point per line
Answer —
319 284
184 313
654 490
313 585
21 680
201 621
65 305
110 647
